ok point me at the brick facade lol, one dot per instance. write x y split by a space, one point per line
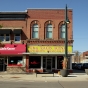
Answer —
42 17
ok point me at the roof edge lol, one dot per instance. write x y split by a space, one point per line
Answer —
47 8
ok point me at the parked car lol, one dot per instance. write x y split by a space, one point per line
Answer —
78 66
85 66
73 65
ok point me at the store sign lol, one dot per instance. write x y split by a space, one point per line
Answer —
7 48
12 49
45 49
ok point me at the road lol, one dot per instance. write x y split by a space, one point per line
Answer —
58 84
76 84
30 85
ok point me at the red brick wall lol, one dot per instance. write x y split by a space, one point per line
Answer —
56 16
15 24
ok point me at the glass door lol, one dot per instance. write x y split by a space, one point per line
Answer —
48 64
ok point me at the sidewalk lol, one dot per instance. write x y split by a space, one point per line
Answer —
44 77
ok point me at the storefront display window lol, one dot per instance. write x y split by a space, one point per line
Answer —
44 62
53 62
15 61
59 62
34 61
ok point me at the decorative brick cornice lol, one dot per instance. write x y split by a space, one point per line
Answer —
48 42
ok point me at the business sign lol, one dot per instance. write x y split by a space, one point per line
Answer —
12 49
7 48
45 49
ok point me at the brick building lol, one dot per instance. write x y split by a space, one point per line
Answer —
84 57
40 37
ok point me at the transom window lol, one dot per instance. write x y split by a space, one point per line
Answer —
4 37
35 29
62 29
17 37
49 29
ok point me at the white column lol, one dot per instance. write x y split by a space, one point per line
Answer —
70 62
24 60
7 60
55 62
41 62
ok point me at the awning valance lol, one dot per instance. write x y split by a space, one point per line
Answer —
17 31
5 31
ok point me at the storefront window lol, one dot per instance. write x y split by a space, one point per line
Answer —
44 62
53 62
59 62
15 61
34 61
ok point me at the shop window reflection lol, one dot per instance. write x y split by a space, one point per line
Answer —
15 61
59 62
34 61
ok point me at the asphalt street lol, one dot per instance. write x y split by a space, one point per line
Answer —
74 84
30 85
39 84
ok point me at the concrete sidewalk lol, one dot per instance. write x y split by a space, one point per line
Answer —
44 77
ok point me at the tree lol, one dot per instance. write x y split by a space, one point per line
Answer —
77 56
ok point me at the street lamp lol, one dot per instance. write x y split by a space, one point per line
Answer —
66 33
64 72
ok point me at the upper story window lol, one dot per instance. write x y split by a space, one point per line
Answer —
62 33
35 31
5 37
17 37
49 29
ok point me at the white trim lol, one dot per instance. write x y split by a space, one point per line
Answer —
70 62
55 62
45 53
24 61
41 62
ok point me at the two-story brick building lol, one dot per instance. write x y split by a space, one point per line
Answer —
46 34
13 36
42 39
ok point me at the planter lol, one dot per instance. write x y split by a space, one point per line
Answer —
64 72
86 70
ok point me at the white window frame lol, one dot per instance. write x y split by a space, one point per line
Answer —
17 41
5 38
61 32
35 31
49 31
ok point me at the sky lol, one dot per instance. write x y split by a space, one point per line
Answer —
80 15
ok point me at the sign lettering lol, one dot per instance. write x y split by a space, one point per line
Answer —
7 48
44 49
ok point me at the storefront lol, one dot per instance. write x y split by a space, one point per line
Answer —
11 58
47 58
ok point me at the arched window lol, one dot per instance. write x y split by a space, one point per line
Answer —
35 30
62 33
49 29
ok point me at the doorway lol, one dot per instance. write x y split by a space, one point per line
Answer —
48 64
3 64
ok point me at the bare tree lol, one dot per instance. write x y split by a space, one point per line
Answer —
77 56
